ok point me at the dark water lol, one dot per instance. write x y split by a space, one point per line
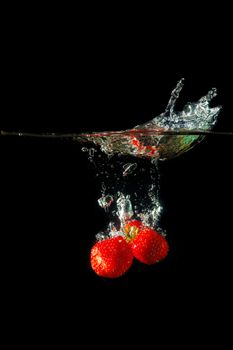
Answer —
50 215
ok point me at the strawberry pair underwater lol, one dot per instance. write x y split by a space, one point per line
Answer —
113 257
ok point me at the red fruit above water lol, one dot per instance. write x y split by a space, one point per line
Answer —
149 246
111 257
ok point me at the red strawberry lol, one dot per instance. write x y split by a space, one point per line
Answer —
149 246
111 257
132 223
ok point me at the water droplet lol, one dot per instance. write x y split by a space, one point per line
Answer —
91 152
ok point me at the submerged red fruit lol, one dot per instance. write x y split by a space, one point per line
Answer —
144 150
149 246
111 257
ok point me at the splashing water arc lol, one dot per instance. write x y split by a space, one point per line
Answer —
166 136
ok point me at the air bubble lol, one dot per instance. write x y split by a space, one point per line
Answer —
105 201
129 168
91 152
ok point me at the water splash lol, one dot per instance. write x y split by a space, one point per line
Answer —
167 135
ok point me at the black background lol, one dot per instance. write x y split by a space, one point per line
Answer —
49 192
